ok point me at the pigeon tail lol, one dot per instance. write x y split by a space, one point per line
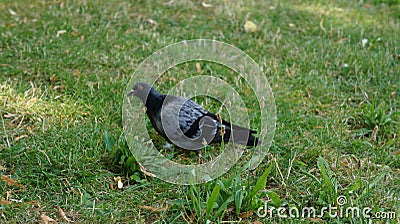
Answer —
253 141
244 136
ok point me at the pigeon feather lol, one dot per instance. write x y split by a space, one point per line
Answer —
186 124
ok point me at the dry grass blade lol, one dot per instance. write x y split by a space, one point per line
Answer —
62 214
145 171
154 209
11 181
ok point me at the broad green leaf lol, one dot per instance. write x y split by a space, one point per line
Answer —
223 207
108 139
371 186
194 200
260 184
354 187
238 201
213 198
327 175
275 198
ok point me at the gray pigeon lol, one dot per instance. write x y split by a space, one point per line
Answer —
187 125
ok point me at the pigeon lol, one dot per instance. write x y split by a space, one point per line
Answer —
186 124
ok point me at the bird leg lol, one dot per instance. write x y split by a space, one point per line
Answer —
200 156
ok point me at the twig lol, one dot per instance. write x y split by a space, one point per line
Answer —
280 173
290 165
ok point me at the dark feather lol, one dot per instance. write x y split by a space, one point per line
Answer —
191 118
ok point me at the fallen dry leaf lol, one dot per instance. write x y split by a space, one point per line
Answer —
12 12
33 203
119 182
247 214
62 214
206 5
8 115
319 220
198 67
4 202
10 181
249 26
355 159
312 170
154 209
230 209
256 222
341 40
373 136
32 101
61 32
128 31
59 88
247 91
8 195
77 72
20 137
345 163
53 78
2 168
46 219
364 42
152 21
6 65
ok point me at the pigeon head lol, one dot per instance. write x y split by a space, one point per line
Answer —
143 91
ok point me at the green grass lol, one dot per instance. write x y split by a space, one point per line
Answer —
61 95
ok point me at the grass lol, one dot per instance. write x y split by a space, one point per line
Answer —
65 65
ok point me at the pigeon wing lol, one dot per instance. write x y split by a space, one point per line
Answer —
190 115
186 123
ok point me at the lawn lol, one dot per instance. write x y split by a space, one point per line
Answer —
333 67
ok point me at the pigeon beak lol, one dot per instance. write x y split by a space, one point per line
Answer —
132 93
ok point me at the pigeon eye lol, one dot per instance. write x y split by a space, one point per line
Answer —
140 87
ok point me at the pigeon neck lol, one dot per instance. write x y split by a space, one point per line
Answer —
154 100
